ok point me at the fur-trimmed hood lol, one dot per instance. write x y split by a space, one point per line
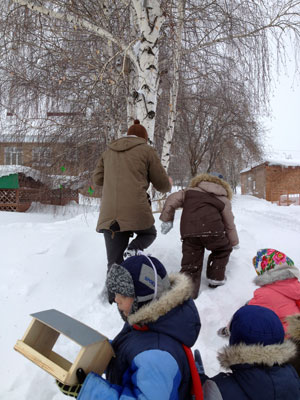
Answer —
180 291
212 184
257 354
126 143
294 326
174 314
279 274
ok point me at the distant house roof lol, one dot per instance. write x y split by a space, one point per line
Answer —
53 181
285 163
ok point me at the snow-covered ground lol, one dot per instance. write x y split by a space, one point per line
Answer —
57 260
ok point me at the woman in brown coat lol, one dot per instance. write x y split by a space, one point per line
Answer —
125 171
206 222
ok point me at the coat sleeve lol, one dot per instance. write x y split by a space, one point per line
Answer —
157 174
211 391
153 374
229 224
98 175
174 201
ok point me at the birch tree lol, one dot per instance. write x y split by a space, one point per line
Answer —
172 110
142 51
125 37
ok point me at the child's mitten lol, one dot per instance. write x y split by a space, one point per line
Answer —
166 227
68 390
73 390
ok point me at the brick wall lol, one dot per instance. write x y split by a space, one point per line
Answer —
274 183
281 180
64 156
26 150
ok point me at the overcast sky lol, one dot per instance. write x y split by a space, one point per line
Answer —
284 124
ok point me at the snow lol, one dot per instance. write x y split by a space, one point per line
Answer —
54 181
53 258
15 169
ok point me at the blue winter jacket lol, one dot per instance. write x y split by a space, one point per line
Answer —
258 373
151 365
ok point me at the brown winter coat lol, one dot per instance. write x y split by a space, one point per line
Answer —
125 171
206 208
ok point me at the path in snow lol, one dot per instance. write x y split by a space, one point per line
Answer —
59 261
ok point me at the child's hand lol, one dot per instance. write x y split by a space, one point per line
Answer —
68 390
166 227
74 390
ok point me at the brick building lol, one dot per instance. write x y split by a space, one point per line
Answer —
275 181
58 158
41 154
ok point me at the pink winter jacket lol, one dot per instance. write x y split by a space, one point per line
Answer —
281 296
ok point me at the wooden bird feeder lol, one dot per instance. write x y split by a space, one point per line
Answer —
41 335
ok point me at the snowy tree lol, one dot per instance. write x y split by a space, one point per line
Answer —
103 57
240 32
219 124
141 49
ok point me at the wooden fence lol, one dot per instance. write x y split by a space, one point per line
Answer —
21 199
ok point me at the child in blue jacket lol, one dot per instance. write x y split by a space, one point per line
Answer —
258 358
160 317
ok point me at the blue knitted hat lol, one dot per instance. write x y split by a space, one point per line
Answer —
141 277
255 325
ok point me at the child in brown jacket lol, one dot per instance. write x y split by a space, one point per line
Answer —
206 222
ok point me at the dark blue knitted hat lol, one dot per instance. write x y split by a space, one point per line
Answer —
141 277
255 325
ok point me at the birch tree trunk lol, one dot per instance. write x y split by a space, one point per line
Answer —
165 157
149 19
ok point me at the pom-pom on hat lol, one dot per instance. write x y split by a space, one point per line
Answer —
269 259
141 277
255 325
138 130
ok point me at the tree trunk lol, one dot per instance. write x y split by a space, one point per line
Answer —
149 19
165 157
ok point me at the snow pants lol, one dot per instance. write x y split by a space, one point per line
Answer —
116 243
192 259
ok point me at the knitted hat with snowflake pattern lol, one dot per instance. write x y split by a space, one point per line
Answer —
141 277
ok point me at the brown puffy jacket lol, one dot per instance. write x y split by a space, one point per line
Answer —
206 208
125 171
